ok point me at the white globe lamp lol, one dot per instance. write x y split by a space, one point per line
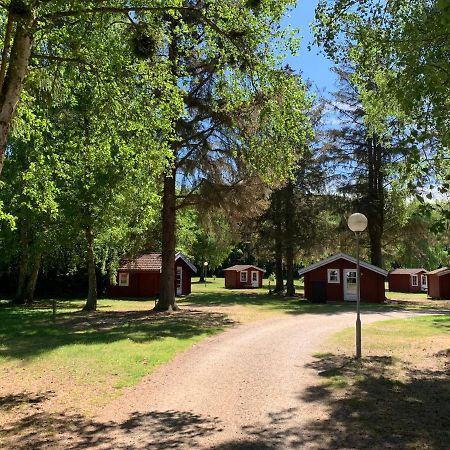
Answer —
357 222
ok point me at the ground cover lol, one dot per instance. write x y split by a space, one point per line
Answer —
397 396
84 360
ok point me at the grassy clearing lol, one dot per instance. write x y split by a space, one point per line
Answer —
84 359
397 396
255 304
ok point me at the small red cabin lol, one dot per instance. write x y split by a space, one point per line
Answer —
141 277
334 279
407 280
243 276
439 283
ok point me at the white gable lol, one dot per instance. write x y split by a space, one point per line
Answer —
180 255
347 258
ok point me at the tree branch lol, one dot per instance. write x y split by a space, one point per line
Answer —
59 58
127 10
6 49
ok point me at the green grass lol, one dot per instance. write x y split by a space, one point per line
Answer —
396 396
123 341
96 352
213 293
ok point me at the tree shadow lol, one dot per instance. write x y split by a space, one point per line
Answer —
24 399
377 409
289 305
154 430
29 335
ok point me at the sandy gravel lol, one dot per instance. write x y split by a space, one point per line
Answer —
242 389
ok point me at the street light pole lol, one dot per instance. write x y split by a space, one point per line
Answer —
357 223
358 300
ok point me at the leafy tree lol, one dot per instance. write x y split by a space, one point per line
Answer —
364 160
103 146
400 45
243 116
41 30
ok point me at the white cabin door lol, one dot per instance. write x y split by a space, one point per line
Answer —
424 283
255 278
350 285
179 280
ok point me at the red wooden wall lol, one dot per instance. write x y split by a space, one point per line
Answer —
403 282
439 287
233 278
143 284
372 283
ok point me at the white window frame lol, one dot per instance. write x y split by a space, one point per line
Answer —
422 278
124 282
412 280
329 271
243 272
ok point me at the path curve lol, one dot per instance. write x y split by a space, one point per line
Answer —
229 390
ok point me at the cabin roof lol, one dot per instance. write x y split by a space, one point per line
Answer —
338 256
439 272
406 271
151 262
241 267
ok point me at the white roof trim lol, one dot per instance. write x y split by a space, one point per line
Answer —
347 258
180 255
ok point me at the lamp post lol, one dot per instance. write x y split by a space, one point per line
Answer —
357 223
205 268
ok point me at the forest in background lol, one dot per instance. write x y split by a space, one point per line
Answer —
130 127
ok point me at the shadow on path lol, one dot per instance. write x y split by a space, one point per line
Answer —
153 430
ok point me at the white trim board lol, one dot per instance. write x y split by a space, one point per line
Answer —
180 255
347 258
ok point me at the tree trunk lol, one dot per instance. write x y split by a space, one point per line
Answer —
279 282
91 302
13 83
202 274
166 301
32 279
375 203
289 239
19 298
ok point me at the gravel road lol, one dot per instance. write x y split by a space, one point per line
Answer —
242 389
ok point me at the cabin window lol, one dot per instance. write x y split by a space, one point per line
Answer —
124 279
414 280
243 277
333 276
424 280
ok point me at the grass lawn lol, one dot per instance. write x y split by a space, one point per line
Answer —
84 360
397 396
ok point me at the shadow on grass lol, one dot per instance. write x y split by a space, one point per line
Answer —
374 411
289 305
378 410
154 430
31 333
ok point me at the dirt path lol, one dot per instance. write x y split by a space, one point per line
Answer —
243 389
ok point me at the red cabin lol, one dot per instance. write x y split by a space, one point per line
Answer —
243 276
334 279
439 283
408 280
141 277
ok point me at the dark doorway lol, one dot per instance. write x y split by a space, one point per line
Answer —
318 292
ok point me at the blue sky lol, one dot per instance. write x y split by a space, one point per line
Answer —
315 66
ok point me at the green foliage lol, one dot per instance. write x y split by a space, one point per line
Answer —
400 50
